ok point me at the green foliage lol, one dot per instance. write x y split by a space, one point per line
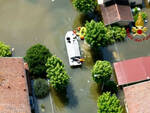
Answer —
98 35
119 33
110 86
36 57
109 104
136 12
41 88
85 6
4 50
56 73
144 16
101 71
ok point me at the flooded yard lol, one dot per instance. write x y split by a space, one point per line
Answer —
27 22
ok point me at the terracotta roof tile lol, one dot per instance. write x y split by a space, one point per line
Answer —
137 97
116 13
132 70
13 98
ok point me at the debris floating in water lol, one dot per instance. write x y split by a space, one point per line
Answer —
88 81
146 21
53 0
12 49
96 75
81 90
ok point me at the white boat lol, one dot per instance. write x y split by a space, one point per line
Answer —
73 49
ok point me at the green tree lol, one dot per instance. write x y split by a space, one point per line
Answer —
85 6
144 16
98 34
109 104
4 50
56 73
136 12
101 71
36 57
119 33
41 88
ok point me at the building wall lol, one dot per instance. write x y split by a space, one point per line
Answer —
137 2
123 23
102 1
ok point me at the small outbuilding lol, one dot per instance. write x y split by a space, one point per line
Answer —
115 13
133 70
137 98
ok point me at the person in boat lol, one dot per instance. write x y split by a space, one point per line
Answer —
77 59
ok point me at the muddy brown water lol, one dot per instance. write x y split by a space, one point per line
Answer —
27 22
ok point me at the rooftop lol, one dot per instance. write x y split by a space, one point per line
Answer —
137 98
133 70
13 86
116 13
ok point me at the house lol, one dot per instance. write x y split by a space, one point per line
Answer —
14 97
132 71
115 13
137 98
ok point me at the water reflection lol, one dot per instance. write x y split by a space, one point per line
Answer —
33 1
87 54
95 91
65 98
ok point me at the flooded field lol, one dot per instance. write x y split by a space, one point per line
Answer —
27 22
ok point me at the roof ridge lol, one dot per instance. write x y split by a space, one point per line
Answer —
116 5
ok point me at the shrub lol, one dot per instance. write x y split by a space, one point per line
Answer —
85 6
4 50
110 86
119 33
98 35
109 104
36 57
144 16
136 12
41 88
56 73
101 71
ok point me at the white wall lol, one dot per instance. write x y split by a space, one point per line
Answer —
102 1
138 2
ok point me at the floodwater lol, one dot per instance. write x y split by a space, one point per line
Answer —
27 22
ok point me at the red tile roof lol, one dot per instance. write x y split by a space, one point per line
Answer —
133 70
137 98
13 86
116 13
